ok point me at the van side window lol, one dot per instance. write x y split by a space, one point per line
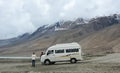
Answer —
59 51
72 50
50 52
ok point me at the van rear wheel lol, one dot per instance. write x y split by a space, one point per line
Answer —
47 62
73 60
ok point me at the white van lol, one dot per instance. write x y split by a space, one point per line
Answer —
62 52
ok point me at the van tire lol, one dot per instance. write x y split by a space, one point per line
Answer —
47 62
73 60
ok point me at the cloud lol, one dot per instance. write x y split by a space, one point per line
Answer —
14 20
69 5
21 16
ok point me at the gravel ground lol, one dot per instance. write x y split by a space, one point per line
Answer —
111 58
104 64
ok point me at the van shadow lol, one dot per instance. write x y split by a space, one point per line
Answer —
63 63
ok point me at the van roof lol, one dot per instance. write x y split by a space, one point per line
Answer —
65 45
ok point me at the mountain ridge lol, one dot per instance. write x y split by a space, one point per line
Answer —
95 36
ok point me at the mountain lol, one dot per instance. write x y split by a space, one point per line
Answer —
96 36
103 41
13 41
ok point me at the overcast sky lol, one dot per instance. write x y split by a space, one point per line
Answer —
20 16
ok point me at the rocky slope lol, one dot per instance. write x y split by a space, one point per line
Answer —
96 36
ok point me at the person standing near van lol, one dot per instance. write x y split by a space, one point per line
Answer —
33 59
41 54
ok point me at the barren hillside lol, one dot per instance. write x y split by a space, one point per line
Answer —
98 36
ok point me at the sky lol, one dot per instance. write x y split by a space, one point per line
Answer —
25 16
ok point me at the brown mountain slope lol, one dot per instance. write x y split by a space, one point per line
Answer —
97 36
98 42
104 41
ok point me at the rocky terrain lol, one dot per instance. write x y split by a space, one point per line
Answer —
104 64
99 38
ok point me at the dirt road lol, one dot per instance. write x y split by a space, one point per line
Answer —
110 58
97 65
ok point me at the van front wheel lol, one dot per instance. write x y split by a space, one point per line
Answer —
47 62
73 60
